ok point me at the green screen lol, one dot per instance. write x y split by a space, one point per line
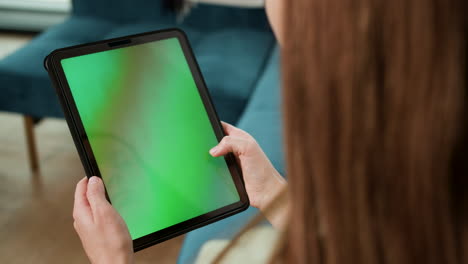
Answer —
150 134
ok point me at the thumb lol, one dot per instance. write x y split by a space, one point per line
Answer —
96 194
229 144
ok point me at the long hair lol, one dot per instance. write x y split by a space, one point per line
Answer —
375 113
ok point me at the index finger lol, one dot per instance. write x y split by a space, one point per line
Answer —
81 207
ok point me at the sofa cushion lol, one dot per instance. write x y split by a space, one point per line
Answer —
122 11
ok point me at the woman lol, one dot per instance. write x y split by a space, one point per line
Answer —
375 107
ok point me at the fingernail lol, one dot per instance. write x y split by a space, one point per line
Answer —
93 180
214 150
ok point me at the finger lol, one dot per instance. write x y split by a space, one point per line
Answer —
96 194
81 208
229 144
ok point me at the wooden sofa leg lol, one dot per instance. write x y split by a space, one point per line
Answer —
31 143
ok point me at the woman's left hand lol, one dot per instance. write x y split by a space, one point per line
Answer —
102 230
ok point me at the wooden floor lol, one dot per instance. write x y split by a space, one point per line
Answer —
36 210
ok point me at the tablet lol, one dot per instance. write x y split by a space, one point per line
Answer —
142 120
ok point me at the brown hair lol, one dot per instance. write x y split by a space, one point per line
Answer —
375 124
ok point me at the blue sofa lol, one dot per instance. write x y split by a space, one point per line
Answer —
236 51
218 35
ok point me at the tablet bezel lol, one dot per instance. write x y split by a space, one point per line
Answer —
53 65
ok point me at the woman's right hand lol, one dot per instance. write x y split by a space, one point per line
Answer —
262 181
101 229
